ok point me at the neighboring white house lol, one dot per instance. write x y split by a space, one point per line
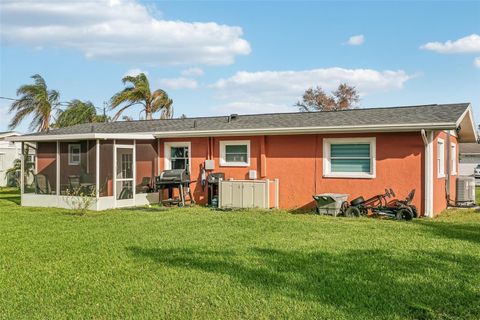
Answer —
469 158
9 151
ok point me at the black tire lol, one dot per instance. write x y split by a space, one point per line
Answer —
317 210
352 212
343 207
404 214
357 201
414 211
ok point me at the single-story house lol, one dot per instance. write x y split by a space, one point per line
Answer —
355 152
469 158
9 152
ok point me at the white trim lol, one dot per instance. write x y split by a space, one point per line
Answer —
134 165
428 138
302 130
453 158
468 111
70 153
407 127
97 171
224 143
124 202
22 169
440 160
57 182
114 174
84 136
327 142
167 153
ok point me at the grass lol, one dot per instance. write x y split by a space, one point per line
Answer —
204 264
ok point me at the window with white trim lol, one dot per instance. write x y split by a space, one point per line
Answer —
349 157
453 158
74 151
440 158
177 155
235 153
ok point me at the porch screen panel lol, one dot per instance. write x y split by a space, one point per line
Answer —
30 169
106 169
45 178
350 157
77 167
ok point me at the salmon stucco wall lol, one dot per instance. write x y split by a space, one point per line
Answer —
296 160
439 183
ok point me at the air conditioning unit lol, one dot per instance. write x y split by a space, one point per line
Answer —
465 191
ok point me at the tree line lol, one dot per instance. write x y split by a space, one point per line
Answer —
47 111
44 105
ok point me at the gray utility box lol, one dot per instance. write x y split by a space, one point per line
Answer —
330 203
465 191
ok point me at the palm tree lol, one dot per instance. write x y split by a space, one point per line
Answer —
35 100
78 112
138 92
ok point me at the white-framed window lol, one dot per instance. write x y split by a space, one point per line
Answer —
74 151
178 155
453 158
235 153
440 158
349 157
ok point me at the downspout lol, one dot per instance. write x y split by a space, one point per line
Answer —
428 175
447 174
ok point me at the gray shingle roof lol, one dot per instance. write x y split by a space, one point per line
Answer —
433 114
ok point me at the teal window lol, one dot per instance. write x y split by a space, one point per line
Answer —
350 157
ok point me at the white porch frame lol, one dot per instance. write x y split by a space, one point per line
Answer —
100 203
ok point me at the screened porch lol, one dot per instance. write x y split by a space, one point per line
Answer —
114 173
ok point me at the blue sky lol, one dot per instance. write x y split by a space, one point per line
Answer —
243 57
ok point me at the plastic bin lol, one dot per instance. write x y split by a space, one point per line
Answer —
330 203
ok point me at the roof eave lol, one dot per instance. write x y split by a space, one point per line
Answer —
82 136
468 129
307 130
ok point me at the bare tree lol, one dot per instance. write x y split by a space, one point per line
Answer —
315 99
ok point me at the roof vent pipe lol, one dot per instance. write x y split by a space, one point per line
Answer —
194 123
233 116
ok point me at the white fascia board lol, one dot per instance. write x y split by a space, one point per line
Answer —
468 112
305 130
85 136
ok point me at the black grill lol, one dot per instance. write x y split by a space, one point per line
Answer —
174 176
174 179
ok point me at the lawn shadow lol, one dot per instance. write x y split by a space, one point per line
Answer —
366 283
14 199
467 232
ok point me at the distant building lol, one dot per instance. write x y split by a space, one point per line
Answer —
9 151
469 158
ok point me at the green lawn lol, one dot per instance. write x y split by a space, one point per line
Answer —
198 263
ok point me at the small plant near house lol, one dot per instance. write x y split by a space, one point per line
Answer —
79 199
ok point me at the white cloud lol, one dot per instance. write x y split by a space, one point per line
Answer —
134 72
192 72
356 40
266 90
120 30
178 83
468 44
476 62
